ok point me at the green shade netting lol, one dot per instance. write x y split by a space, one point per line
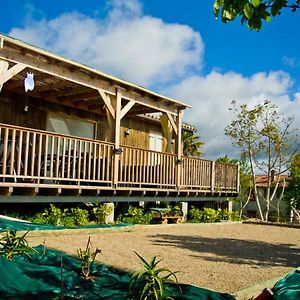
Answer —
288 287
40 278
21 225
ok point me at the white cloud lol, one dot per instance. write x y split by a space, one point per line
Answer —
128 44
292 62
151 52
211 96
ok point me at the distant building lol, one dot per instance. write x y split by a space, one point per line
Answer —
251 210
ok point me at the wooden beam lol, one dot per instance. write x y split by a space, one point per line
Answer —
179 142
126 108
117 137
179 147
11 72
57 69
107 102
6 191
141 111
149 102
118 120
174 126
62 70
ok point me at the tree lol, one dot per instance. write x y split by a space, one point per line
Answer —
252 12
267 142
292 194
245 182
191 144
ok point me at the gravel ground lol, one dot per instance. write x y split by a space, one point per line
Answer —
223 257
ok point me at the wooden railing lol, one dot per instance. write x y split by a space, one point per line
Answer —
144 168
43 158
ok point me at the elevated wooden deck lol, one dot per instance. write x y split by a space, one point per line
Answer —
35 162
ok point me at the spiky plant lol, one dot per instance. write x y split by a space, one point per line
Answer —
12 245
149 283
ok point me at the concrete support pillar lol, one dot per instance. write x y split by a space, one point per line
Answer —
184 208
111 217
230 203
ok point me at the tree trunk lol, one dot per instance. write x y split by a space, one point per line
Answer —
246 203
279 201
255 188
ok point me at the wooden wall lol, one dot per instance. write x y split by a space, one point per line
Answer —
12 112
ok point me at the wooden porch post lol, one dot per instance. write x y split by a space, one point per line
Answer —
3 69
179 147
6 74
117 150
238 178
213 176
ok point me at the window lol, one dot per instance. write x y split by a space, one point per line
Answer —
251 214
70 126
155 144
155 141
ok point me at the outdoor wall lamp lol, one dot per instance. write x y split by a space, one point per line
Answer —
117 151
127 132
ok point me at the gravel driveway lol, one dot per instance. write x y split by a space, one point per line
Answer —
223 257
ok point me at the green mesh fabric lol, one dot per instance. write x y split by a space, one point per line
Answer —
21 225
288 287
40 278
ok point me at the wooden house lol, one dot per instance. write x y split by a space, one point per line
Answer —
76 131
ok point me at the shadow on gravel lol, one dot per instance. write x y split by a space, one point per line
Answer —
233 250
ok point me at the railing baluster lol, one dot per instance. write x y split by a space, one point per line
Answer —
20 149
75 159
79 161
45 161
39 155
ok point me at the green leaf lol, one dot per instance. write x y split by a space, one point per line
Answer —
145 291
227 16
143 260
277 6
248 11
256 3
217 8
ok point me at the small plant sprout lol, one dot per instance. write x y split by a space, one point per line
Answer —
12 245
86 259
149 283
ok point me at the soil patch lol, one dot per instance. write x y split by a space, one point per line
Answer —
222 257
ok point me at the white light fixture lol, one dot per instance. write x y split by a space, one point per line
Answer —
29 82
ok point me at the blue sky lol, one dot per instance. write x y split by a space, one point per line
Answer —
173 47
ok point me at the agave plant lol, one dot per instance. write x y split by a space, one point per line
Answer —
149 283
12 245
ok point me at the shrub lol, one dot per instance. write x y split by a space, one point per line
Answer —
101 212
196 214
210 215
54 215
135 215
234 216
80 216
149 283
67 217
